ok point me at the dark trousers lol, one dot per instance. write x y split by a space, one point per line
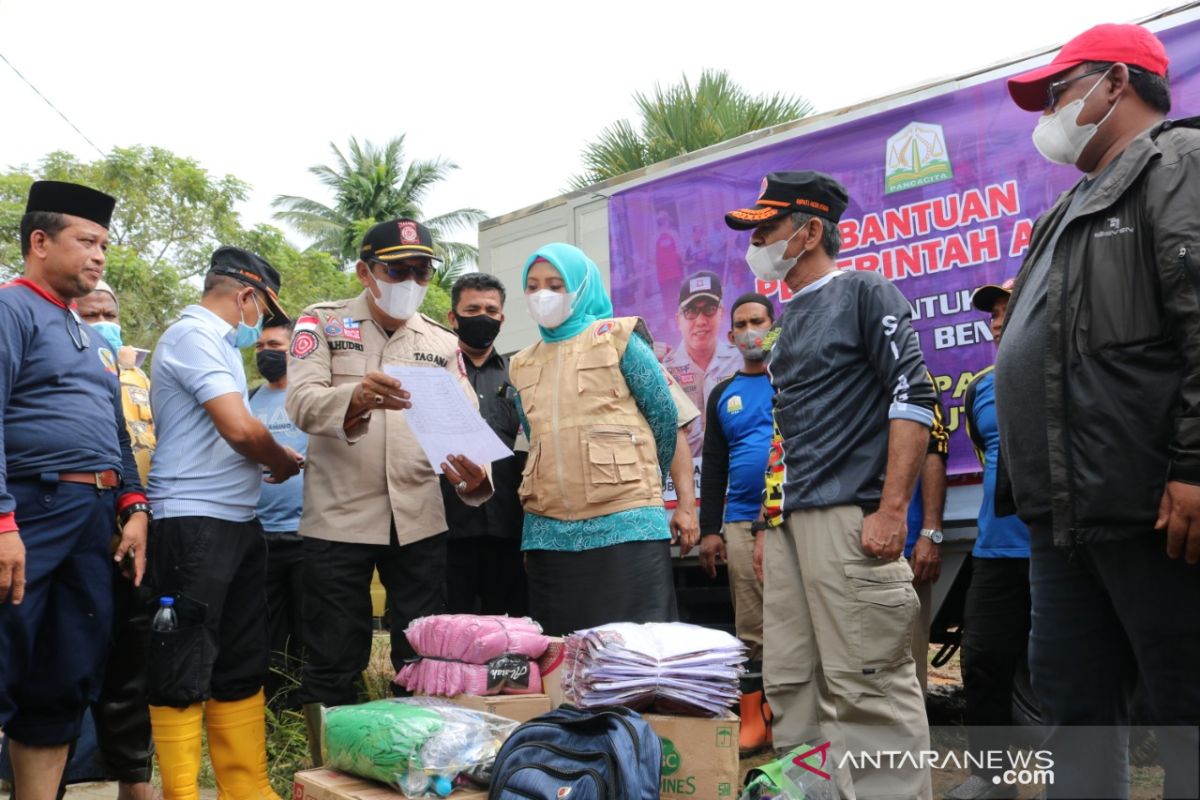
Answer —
1105 614
627 582
285 594
53 645
994 644
115 743
337 608
486 575
222 565
122 715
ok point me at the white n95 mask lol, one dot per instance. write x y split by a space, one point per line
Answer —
400 300
1059 137
768 262
550 309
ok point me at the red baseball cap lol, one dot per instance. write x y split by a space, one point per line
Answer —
1129 44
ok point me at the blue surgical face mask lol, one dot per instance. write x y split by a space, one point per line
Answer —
111 332
247 335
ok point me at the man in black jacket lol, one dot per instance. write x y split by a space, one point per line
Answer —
484 570
1098 396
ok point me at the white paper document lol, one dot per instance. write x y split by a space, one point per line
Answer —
443 419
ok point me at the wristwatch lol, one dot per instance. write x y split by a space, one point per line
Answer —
134 508
932 535
758 526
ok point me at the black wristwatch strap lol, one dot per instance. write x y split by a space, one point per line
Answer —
758 526
134 508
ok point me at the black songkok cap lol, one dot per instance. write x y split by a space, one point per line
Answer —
59 197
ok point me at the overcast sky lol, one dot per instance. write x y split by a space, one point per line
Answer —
508 91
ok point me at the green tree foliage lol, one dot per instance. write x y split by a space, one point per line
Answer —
436 304
370 184
681 119
170 215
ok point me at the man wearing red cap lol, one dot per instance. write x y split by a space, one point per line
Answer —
1098 398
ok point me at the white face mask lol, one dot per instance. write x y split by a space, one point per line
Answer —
400 300
768 262
550 309
1059 137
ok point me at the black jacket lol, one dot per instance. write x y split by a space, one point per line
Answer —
501 516
1122 362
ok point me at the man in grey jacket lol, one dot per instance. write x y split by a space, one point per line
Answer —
854 405
1098 398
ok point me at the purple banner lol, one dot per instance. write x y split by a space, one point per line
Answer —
943 194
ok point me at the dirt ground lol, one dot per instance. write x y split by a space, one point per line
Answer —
945 705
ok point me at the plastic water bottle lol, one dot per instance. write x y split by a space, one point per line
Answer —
165 620
418 784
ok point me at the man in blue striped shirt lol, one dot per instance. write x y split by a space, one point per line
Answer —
207 546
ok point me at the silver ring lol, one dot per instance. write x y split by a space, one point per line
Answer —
461 486
378 399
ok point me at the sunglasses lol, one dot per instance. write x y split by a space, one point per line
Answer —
1055 90
707 309
399 273
79 336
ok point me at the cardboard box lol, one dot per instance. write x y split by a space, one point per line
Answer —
519 707
551 667
700 756
326 784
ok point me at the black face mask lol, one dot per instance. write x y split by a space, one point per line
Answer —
272 364
479 331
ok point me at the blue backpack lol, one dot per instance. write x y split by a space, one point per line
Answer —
572 754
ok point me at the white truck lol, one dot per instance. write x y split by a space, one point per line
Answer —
944 184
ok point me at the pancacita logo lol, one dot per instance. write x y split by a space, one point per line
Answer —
916 156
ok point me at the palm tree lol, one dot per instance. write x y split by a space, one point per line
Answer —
373 184
681 119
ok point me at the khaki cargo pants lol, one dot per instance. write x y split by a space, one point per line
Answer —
745 591
838 665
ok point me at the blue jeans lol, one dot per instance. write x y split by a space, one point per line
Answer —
1104 616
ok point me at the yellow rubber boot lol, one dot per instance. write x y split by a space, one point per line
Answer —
237 745
177 733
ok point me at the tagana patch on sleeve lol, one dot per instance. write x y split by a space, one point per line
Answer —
303 343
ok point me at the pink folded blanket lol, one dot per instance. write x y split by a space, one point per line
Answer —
456 650
450 678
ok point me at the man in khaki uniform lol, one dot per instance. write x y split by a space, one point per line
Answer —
371 497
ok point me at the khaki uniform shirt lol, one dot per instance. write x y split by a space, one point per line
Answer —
696 383
356 483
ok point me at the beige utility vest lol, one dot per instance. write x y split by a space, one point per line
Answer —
591 452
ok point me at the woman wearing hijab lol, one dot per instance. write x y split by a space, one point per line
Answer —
600 420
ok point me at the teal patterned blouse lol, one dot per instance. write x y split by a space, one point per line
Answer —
649 389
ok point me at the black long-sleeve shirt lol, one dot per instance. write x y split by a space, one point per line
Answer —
846 362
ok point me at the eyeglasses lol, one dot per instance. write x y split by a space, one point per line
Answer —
707 309
79 337
1054 91
402 272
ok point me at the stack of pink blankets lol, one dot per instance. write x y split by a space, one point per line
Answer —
469 654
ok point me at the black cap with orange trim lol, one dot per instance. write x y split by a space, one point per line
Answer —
397 239
252 270
790 192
